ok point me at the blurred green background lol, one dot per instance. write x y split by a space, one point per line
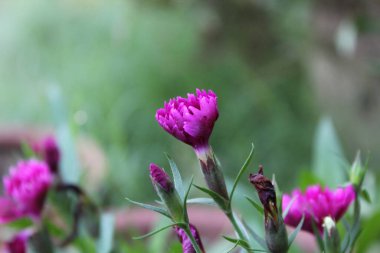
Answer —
276 66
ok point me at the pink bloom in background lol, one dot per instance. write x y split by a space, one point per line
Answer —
19 243
187 247
9 210
190 119
317 203
27 185
161 178
49 150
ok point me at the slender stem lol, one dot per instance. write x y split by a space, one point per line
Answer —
232 219
192 239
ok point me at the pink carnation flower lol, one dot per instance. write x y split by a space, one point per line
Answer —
27 185
317 203
187 247
190 119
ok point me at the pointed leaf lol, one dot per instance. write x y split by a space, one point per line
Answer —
256 205
222 202
186 196
285 213
242 170
255 236
150 207
206 201
295 232
154 232
239 242
178 183
365 195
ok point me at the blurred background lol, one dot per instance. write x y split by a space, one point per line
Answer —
95 72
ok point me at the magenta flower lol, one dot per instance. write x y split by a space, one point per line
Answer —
27 185
190 119
160 178
9 210
19 243
316 204
48 149
187 247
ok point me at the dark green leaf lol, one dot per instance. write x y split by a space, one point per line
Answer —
242 170
256 205
222 202
365 195
176 177
296 231
185 199
150 207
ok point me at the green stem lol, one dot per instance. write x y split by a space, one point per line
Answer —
192 239
232 219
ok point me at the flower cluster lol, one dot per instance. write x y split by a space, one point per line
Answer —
316 204
25 189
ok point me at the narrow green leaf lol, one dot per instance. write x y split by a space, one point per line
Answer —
155 231
150 207
285 213
242 170
20 224
206 201
257 206
239 242
178 183
105 242
295 232
186 196
222 202
255 236
365 195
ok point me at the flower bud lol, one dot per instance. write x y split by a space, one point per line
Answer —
187 247
275 232
19 243
166 191
331 236
213 175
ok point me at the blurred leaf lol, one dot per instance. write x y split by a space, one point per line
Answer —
242 244
150 207
186 218
207 201
20 224
329 161
176 176
105 242
27 150
255 236
285 213
256 205
242 170
40 242
365 195
370 234
296 231
69 165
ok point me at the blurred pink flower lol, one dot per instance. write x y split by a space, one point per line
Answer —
27 185
187 247
190 119
19 243
317 203
9 210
